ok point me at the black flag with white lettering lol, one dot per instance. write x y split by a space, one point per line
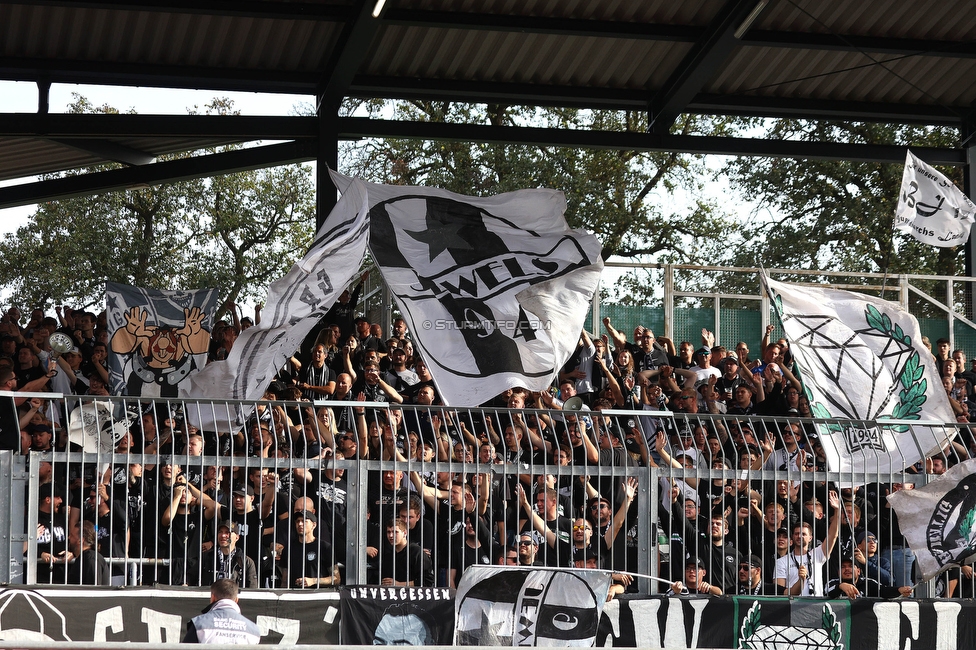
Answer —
396 616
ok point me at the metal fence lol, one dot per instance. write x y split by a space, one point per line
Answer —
302 495
681 299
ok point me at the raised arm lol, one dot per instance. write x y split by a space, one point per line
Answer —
619 340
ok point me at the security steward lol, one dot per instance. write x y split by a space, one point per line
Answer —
222 622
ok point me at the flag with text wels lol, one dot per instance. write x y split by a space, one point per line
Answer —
931 208
494 290
862 360
939 520
296 302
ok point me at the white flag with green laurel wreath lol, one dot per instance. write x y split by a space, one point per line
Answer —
862 361
939 520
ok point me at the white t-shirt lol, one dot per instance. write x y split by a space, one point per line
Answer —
788 568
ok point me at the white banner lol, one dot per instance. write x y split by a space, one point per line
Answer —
862 359
495 290
528 606
98 428
931 208
939 520
295 304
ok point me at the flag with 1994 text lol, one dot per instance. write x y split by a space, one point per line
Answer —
495 290
862 362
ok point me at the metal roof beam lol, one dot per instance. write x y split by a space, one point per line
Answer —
355 127
543 25
110 151
674 33
855 43
243 8
622 99
701 64
349 54
158 173
159 76
98 125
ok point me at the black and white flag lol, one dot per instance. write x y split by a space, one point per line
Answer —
939 520
931 208
495 290
157 339
296 302
526 606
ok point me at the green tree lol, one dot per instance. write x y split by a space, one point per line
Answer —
626 198
836 215
236 232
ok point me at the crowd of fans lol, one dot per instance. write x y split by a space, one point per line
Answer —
536 478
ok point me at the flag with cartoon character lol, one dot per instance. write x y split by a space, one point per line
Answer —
156 338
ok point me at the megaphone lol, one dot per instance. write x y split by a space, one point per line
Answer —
60 342
574 403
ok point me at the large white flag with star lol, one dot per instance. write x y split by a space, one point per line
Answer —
863 362
495 290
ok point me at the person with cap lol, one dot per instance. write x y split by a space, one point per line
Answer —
703 368
225 560
695 582
729 380
310 559
781 548
221 621
869 561
53 553
611 525
527 546
751 577
250 524
851 584
398 374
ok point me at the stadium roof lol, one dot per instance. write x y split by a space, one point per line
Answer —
910 61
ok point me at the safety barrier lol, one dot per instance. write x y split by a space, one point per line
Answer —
486 485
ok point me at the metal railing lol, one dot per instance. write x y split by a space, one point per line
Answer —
664 478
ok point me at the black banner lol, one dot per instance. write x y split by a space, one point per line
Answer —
397 616
313 617
159 615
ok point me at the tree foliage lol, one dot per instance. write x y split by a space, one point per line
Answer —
835 215
640 205
236 232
